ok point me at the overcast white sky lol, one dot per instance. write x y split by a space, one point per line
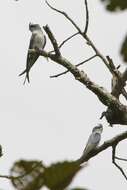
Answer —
51 119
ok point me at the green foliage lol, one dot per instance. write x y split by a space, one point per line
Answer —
114 5
124 49
32 175
59 175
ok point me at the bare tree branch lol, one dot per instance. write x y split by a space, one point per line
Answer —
104 96
65 14
67 39
117 112
70 37
97 52
53 40
79 64
87 17
114 162
122 159
118 87
89 41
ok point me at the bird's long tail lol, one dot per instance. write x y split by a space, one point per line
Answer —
22 73
26 77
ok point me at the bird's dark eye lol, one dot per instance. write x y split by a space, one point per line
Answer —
31 25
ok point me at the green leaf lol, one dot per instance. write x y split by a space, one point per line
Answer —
28 175
59 175
123 50
115 5
32 175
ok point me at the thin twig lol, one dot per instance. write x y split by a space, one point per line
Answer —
84 35
104 96
79 64
70 37
97 52
89 42
122 159
23 175
117 77
60 74
6 177
53 40
67 39
113 161
66 15
87 16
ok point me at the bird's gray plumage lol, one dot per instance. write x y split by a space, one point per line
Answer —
94 139
37 41
92 142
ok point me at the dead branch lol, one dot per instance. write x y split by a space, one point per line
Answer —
70 37
66 40
88 40
87 17
118 87
77 65
53 40
114 162
122 159
104 96
66 15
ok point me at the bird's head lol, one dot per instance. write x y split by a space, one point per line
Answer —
98 128
33 27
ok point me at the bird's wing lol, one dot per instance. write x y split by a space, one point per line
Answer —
32 40
92 143
44 42
88 144
37 40
96 138
31 57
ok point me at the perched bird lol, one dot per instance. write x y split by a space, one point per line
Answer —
37 41
93 141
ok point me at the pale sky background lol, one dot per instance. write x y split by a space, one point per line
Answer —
51 119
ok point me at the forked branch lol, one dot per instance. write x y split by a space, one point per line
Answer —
114 162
